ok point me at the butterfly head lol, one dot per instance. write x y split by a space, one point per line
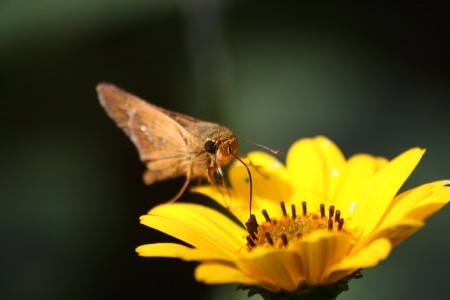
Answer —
222 147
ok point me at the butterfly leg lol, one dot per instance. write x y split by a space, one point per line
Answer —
225 185
212 171
183 188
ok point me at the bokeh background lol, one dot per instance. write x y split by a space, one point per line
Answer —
373 78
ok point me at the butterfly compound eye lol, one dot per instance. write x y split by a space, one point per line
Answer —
210 146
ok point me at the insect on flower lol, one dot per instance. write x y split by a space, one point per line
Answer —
169 143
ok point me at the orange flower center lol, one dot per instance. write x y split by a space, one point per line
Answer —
277 232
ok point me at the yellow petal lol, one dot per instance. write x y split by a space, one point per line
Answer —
211 192
369 256
383 187
219 195
354 179
199 226
237 208
269 178
395 233
277 268
216 273
163 250
270 186
177 251
313 165
418 203
318 251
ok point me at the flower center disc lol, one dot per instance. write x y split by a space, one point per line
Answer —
277 233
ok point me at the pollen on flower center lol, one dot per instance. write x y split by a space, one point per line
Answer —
277 232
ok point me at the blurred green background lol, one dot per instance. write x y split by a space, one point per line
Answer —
372 78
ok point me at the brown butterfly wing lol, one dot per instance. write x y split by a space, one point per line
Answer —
163 144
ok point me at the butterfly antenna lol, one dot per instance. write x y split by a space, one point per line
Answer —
277 152
249 178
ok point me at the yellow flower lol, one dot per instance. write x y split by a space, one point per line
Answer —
318 219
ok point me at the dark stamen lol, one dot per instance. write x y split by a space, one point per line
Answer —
341 224
304 208
250 241
253 220
269 239
337 216
266 215
322 210
284 239
330 224
252 227
253 236
294 213
283 209
331 211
